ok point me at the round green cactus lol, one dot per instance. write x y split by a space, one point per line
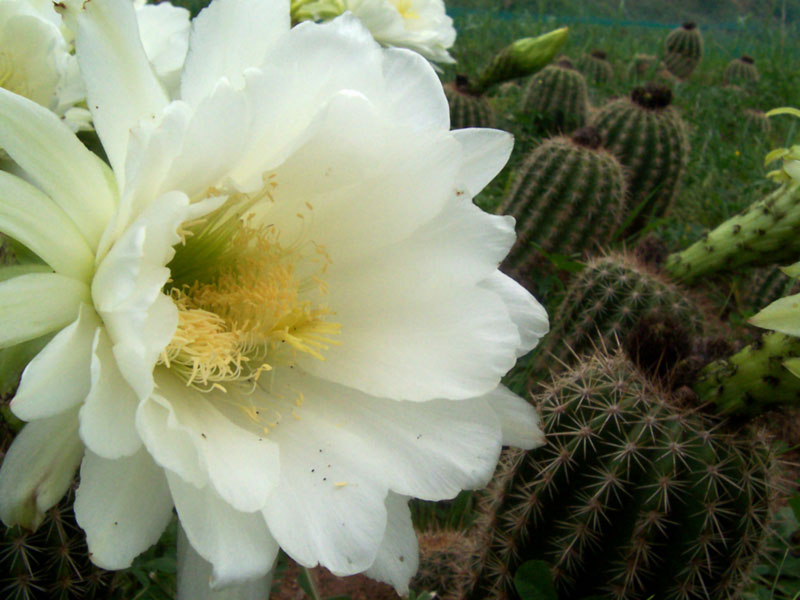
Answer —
741 71
632 497
650 139
683 50
467 108
595 67
556 99
567 197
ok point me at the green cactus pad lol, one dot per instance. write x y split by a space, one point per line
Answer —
556 99
567 197
765 233
683 50
741 71
631 499
650 139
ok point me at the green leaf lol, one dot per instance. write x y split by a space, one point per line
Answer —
534 581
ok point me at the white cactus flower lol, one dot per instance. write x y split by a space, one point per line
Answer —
279 311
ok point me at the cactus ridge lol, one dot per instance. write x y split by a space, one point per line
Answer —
467 109
596 67
764 286
683 50
765 233
604 302
741 71
653 144
754 379
630 499
557 98
567 197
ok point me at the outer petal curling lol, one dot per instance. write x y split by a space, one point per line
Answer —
398 556
123 505
519 421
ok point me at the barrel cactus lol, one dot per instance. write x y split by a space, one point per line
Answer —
761 286
632 497
467 108
683 50
595 67
741 71
650 139
567 197
556 99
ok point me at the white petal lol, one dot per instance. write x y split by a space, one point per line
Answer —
31 218
194 578
398 556
242 466
414 90
454 342
164 31
107 418
56 161
519 421
237 544
38 469
486 152
126 290
123 505
528 314
36 304
430 450
228 37
121 87
58 377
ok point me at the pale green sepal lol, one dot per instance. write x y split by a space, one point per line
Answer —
315 10
11 271
782 315
38 304
39 468
194 578
792 270
14 359
57 162
34 220
793 366
785 110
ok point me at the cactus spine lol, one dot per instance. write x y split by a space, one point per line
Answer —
684 49
467 108
567 197
442 554
650 139
604 302
631 498
765 233
596 67
741 71
557 98
753 379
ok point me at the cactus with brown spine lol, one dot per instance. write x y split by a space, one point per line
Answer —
567 197
595 67
632 498
741 71
650 139
683 50
556 100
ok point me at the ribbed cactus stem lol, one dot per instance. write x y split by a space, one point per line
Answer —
741 71
522 58
567 197
765 233
557 98
632 497
467 107
684 50
595 67
754 379
650 139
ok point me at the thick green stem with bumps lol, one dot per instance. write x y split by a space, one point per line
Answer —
765 233
754 379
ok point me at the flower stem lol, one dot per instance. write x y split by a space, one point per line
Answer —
312 590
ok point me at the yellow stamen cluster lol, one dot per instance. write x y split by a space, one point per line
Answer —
252 314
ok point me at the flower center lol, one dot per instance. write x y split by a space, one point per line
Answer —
405 9
9 78
245 301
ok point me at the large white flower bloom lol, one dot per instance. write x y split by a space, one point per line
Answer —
419 25
280 313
